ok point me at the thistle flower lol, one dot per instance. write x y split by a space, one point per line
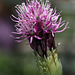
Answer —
38 23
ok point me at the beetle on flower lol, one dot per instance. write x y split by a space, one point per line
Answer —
38 23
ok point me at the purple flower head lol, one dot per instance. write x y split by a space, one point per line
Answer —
38 23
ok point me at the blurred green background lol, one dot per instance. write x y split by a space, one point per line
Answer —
18 58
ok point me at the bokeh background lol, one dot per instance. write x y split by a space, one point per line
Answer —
18 58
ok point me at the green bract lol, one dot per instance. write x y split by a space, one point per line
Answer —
50 65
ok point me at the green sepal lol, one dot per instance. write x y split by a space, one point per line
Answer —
50 65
